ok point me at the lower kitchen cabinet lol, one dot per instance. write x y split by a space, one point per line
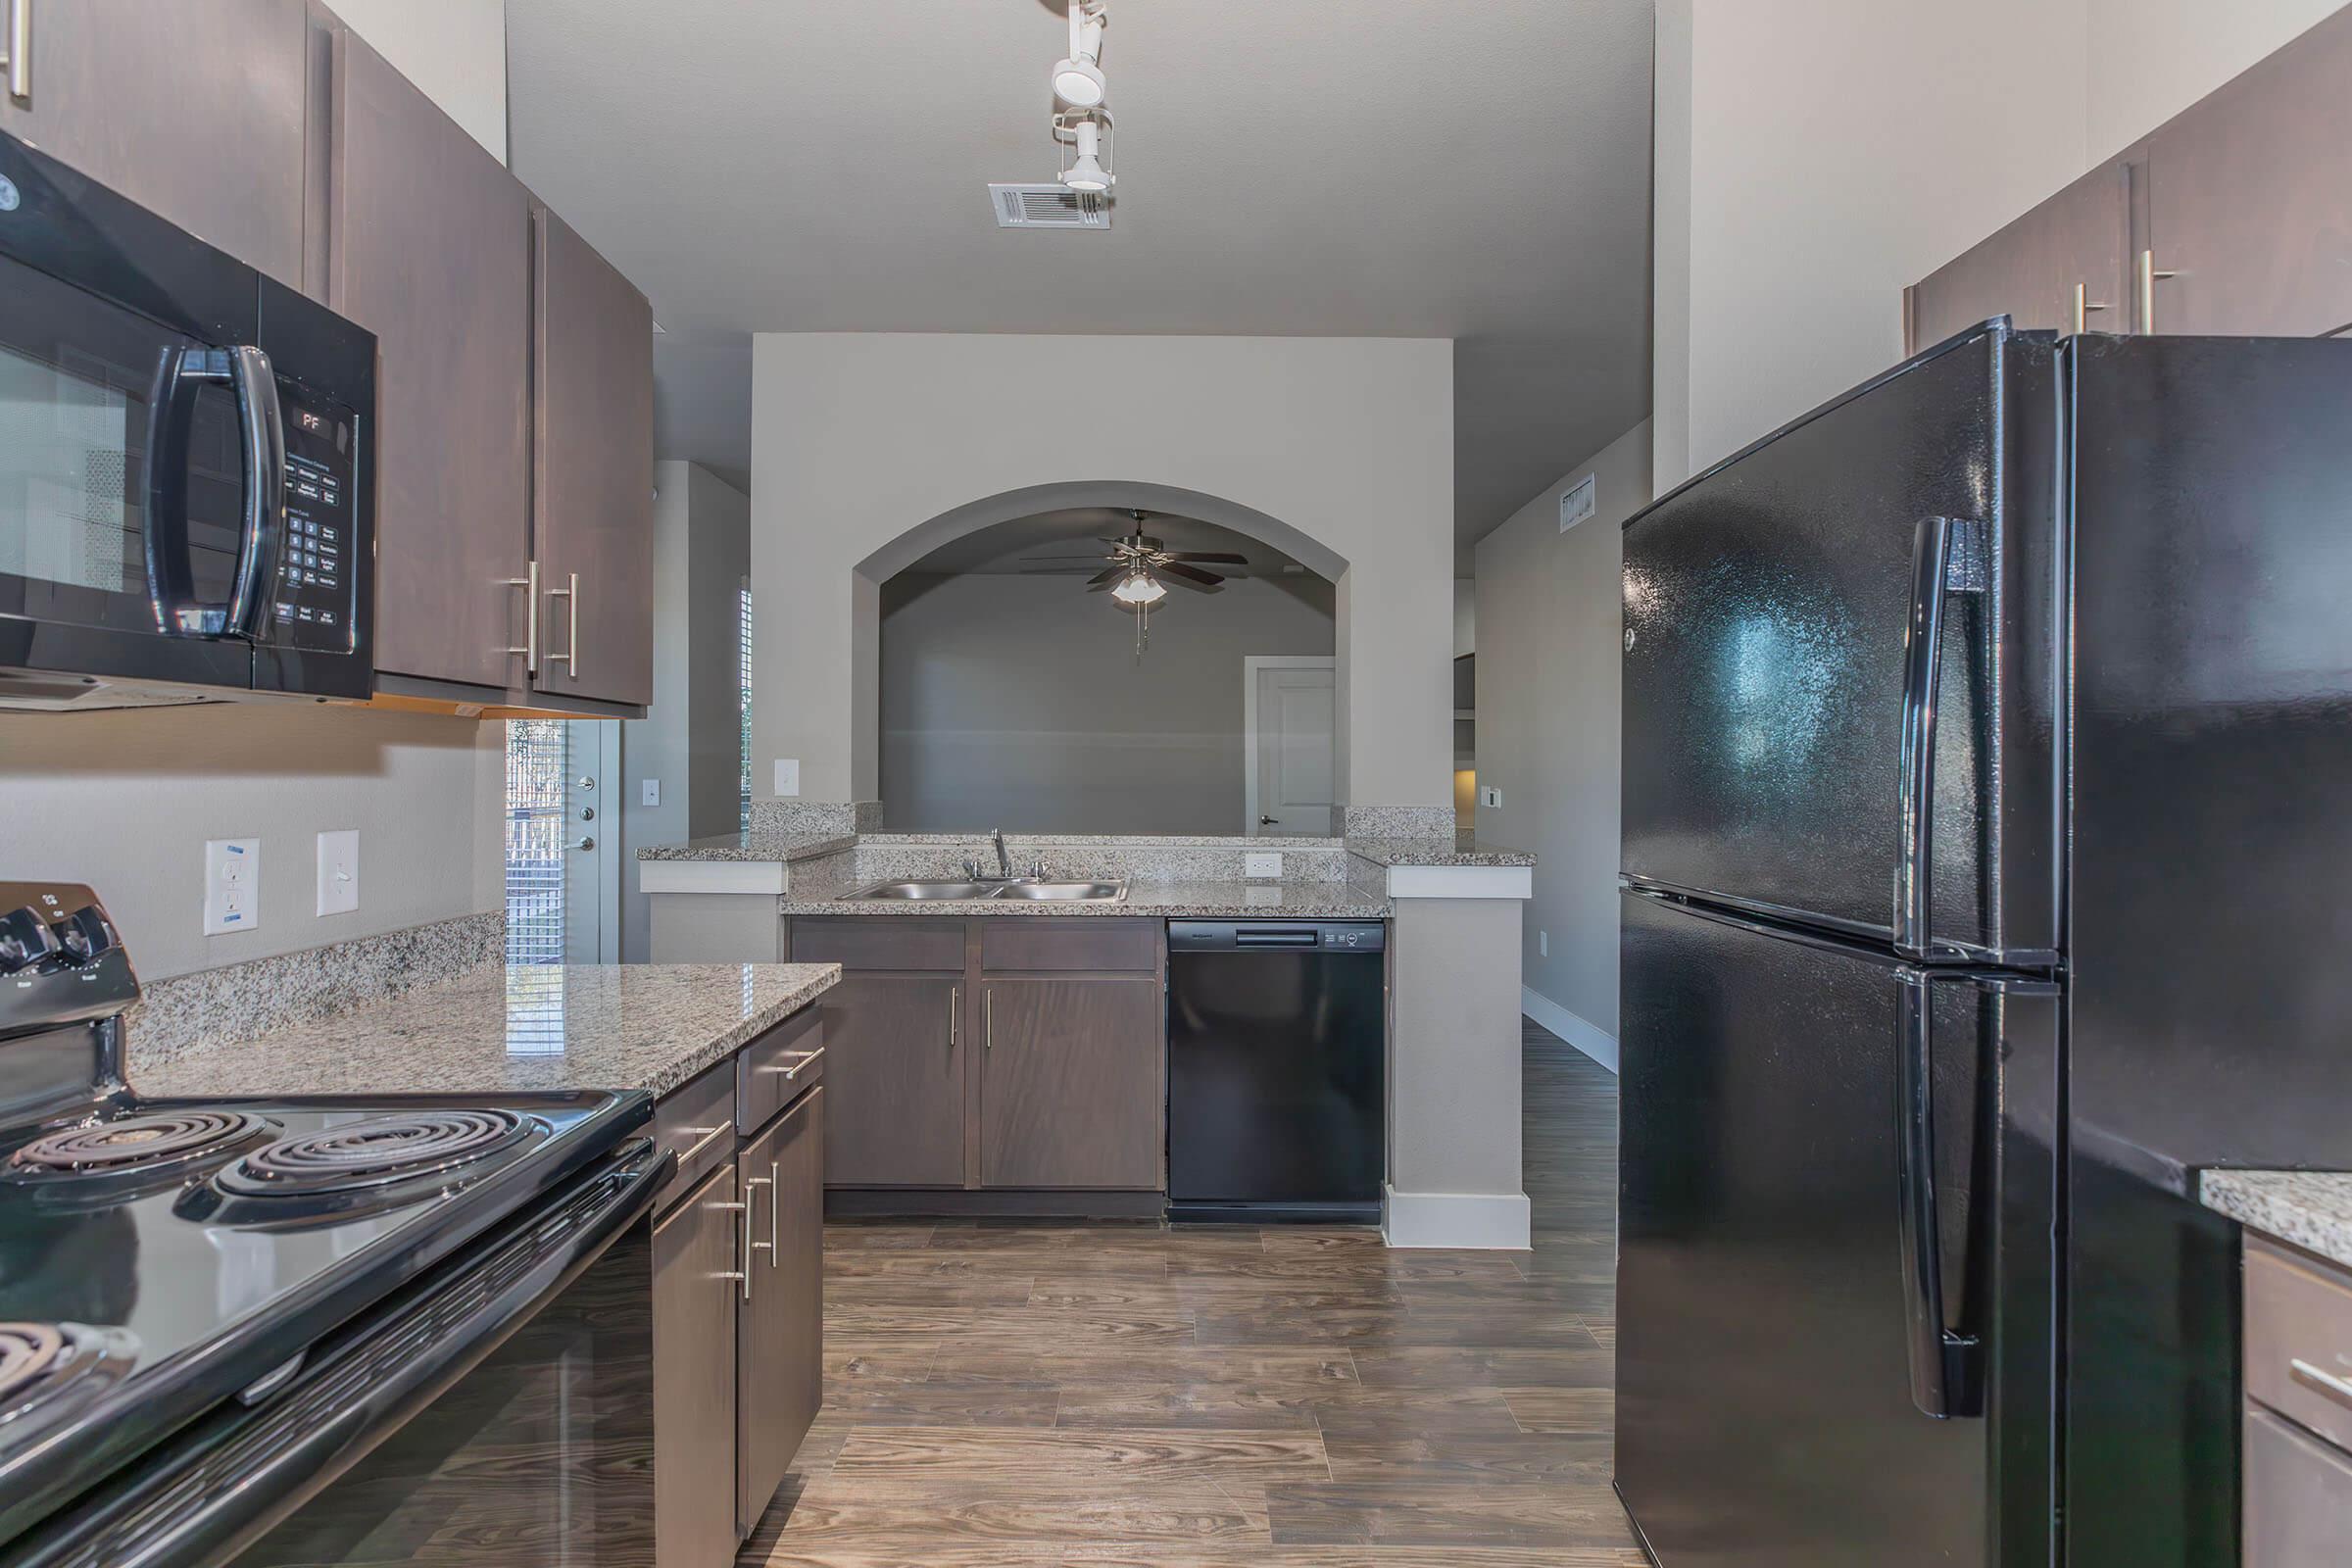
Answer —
779 1355
896 1070
1069 1081
699 1265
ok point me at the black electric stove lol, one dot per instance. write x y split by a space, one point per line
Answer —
162 1259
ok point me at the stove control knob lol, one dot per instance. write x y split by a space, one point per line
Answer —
85 934
24 939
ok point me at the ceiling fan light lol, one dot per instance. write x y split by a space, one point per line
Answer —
1139 589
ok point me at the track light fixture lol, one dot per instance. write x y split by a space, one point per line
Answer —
1087 168
1078 80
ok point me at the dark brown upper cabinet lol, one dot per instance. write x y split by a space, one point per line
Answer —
592 453
2250 199
2063 267
431 249
198 118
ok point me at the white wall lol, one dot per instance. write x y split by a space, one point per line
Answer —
1549 616
1018 702
454 49
689 741
1814 157
859 438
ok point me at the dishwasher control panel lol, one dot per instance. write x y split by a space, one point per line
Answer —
1277 936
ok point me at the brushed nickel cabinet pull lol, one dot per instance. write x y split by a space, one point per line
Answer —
744 1274
768 1247
709 1134
2083 306
776 1191
19 58
954 1017
2327 1383
531 616
2149 275
570 655
987 1018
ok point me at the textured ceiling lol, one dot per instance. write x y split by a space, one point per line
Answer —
1309 167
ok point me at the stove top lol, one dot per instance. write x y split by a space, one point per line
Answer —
158 1256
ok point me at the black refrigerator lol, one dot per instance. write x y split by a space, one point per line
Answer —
1988 817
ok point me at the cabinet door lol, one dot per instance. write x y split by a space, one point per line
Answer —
779 1353
1069 1083
593 462
2028 271
194 111
2250 198
698 1261
893 1067
430 249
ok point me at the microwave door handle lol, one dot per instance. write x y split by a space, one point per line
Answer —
265 451
170 576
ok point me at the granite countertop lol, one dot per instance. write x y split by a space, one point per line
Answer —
521 1029
1158 901
1461 848
756 845
2313 1209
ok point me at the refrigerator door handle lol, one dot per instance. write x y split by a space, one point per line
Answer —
1944 1380
1915 797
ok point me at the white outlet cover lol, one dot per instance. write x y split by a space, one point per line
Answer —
1490 795
788 777
339 871
1261 863
232 885
649 792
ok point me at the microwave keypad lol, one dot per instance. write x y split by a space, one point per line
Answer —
315 590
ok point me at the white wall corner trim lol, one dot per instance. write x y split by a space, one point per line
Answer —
763 877
1492 1221
1582 1033
1461 882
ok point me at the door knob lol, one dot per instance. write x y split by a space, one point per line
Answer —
585 844
1265 822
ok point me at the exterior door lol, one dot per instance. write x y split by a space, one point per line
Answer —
2080 239
592 850
2250 199
196 116
1768 683
1791 1305
1290 719
1069 1088
894 1070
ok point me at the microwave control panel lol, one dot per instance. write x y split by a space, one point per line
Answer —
315 593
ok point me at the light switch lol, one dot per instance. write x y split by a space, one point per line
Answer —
649 792
788 777
1261 863
1490 795
1543 944
232 885
339 871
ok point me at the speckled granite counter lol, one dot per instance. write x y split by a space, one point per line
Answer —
510 1029
1458 850
1158 901
2312 1209
756 845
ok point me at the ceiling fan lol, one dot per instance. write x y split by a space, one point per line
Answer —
1139 561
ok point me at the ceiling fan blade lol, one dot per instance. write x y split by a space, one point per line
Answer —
1223 558
1100 577
1192 575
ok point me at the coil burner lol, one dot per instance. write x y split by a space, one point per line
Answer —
163 1144
43 1365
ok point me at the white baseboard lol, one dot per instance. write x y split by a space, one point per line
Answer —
1489 1220
1586 1036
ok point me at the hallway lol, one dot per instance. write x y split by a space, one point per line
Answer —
1125 1394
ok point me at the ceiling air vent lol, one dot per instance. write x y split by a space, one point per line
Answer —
1048 207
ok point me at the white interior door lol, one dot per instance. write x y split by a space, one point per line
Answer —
1290 707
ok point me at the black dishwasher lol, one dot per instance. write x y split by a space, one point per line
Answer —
1276 1068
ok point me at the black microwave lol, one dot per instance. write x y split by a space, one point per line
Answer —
187 497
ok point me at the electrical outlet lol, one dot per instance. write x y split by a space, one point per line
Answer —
1490 796
649 792
788 777
232 885
1543 944
339 871
1261 863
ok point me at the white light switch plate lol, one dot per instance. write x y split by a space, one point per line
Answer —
1490 795
788 777
649 792
232 885
1543 944
339 871
1261 863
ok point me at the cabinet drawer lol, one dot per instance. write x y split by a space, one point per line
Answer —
880 942
697 1123
1070 943
2299 1312
777 1069
2298 1497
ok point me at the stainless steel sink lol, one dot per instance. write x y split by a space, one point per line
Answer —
928 890
1065 891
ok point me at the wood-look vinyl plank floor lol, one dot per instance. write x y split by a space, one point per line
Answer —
1002 1394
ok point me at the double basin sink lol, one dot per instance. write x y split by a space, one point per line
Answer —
1031 890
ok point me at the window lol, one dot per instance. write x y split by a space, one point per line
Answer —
535 772
742 678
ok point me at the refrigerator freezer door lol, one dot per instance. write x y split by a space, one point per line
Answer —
1768 684
1769 1364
